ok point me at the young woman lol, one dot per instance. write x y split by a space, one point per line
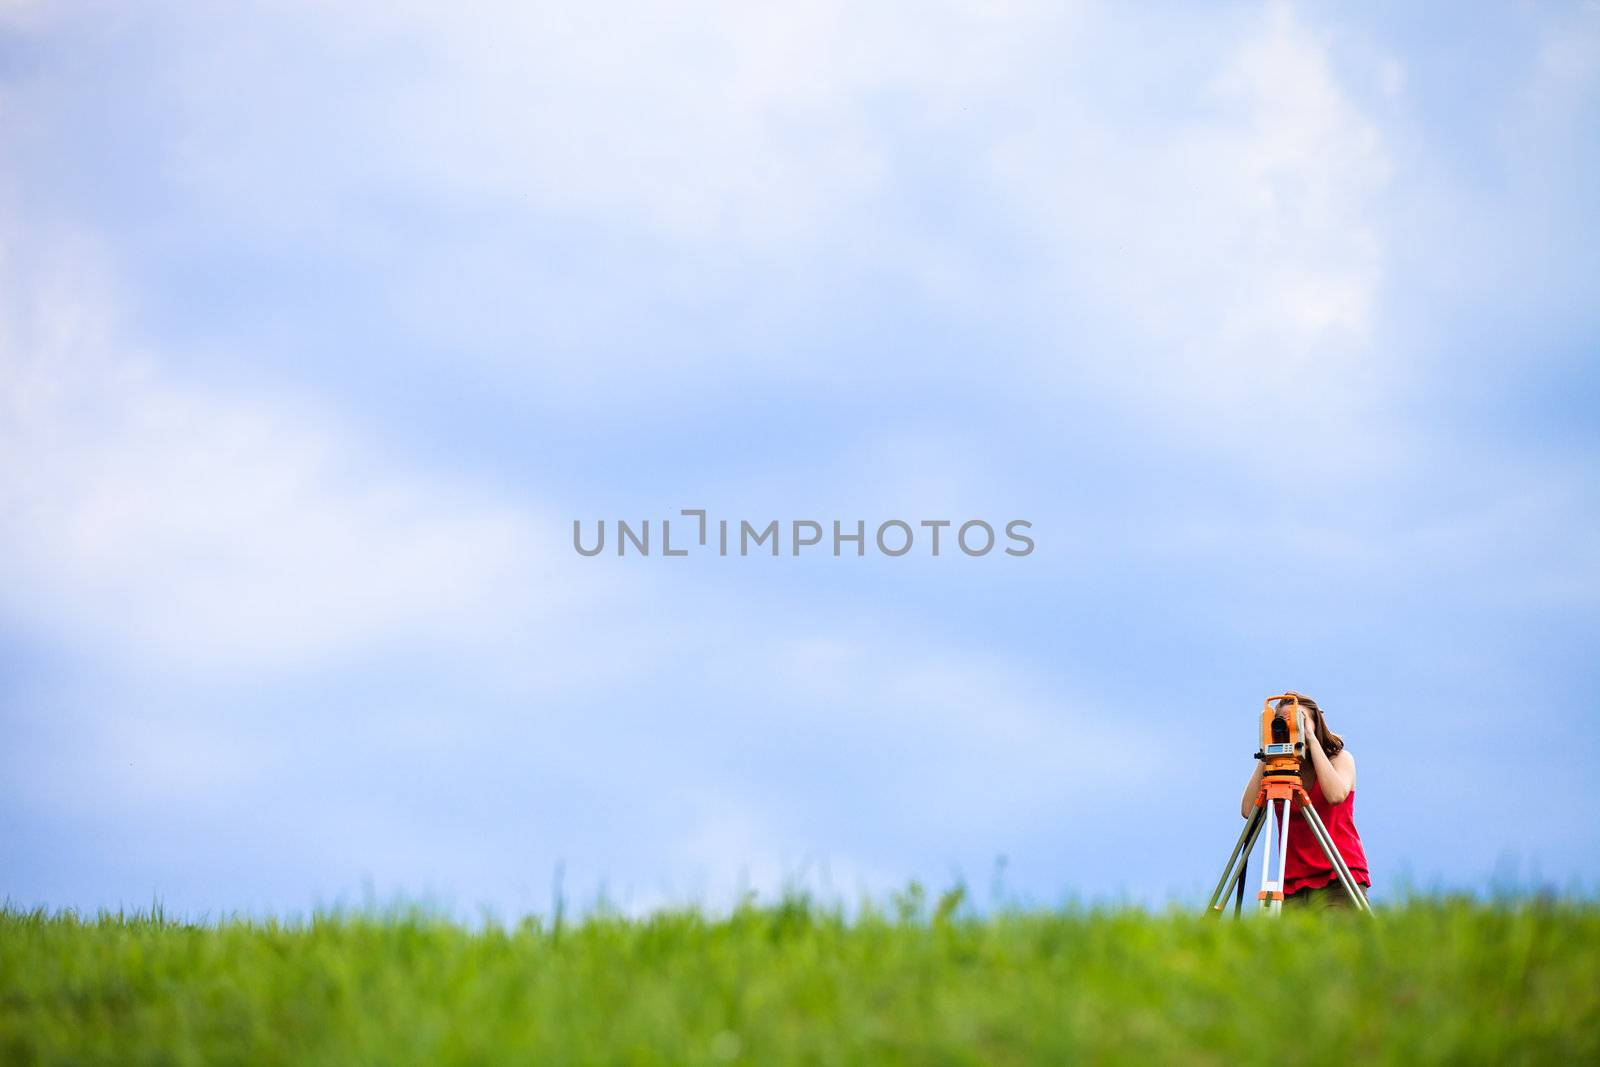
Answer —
1328 772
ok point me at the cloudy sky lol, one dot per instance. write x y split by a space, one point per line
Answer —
319 326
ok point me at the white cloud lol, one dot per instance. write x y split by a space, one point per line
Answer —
210 529
750 126
1225 255
530 179
1234 249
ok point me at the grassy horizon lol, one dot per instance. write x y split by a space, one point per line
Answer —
915 981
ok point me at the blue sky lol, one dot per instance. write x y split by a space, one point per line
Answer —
319 328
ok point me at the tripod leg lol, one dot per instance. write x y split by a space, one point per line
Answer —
1277 825
1346 877
1244 864
1283 857
1238 899
1242 845
1266 853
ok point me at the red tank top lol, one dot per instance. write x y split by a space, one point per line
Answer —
1308 866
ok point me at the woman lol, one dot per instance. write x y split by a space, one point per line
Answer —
1328 772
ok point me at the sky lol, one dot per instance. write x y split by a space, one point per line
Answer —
320 326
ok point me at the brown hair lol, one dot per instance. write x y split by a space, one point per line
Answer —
1332 743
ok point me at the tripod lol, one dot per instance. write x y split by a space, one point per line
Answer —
1276 788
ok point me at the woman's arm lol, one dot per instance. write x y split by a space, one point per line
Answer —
1248 804
1335 777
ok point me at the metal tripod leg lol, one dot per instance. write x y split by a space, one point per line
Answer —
1241 849
1272 888
1342 869
1244 865
1233 874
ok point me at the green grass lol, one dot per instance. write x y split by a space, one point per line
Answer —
1430 981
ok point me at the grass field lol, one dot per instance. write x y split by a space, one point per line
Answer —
1430 981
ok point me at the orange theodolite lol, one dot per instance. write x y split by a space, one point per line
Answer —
1283 744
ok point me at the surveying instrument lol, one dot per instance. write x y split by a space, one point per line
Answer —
1283 741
